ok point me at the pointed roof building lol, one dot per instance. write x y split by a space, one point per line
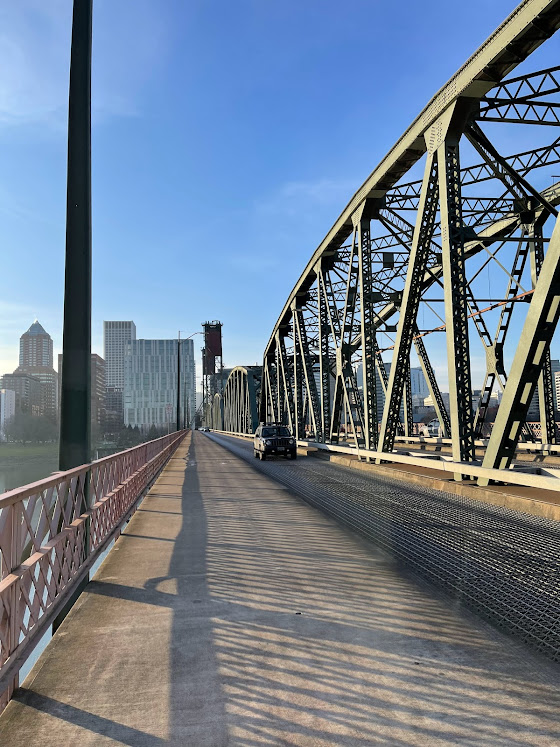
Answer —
36 359
36 329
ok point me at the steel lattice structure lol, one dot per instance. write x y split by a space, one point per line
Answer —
237 410
409 259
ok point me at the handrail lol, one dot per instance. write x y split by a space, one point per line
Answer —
51 533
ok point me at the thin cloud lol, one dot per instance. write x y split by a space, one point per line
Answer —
293 198
128 50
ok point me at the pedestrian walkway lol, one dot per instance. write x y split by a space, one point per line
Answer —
232 613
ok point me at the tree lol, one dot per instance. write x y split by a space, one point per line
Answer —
25 428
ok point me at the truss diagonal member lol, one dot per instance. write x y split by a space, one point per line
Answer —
286 380
381 371
407 404
546 380
419 254
513 181
520 112
405 196
268 395
455 295
343 347
310 383
281 388
538 330
528 87
324 352
433 387
362 218
298 399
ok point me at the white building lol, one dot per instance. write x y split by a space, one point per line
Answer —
534 413
418 384
7 409
150 383
429 402
116 337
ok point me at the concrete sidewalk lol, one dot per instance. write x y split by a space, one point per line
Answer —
231 613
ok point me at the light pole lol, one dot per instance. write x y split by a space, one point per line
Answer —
179 341
75 415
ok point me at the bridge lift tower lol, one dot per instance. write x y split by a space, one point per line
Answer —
212 364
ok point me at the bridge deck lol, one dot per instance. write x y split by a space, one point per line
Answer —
230 612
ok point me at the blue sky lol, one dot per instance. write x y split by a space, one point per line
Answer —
227 137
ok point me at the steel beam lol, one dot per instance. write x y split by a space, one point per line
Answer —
546 389
538 329
307 366
455 290
324 353
362 219
417 264
287 382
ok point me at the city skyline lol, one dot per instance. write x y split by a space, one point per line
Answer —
276 203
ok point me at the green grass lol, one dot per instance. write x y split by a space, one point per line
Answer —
12 454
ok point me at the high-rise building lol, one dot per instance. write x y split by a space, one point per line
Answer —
557 388
150 383
418 384
36 348
36 359
116 337
534 413
97 387
28 392
7 409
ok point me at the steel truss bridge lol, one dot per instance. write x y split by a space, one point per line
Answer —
452 238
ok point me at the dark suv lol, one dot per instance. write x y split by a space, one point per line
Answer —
274 439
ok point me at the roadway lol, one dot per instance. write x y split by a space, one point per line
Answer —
501 563
231 612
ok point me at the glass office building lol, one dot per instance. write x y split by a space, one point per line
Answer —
150 383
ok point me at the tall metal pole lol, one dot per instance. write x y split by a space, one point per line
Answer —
75 389
179 381
75 427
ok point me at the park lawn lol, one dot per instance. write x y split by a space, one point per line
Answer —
13 454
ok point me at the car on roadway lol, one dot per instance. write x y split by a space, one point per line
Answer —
272 439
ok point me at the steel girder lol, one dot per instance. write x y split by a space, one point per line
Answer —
376 275
527 365
417 265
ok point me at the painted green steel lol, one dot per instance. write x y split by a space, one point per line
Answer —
525 29
526 368
325 339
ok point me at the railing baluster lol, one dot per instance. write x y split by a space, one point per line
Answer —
32 544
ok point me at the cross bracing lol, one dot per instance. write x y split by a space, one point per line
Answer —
453 273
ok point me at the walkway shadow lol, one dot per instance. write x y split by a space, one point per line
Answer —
306 636
286 629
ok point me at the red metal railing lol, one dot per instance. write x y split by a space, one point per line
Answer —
52 532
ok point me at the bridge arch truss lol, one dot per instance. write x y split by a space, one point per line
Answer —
237 410
446 259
